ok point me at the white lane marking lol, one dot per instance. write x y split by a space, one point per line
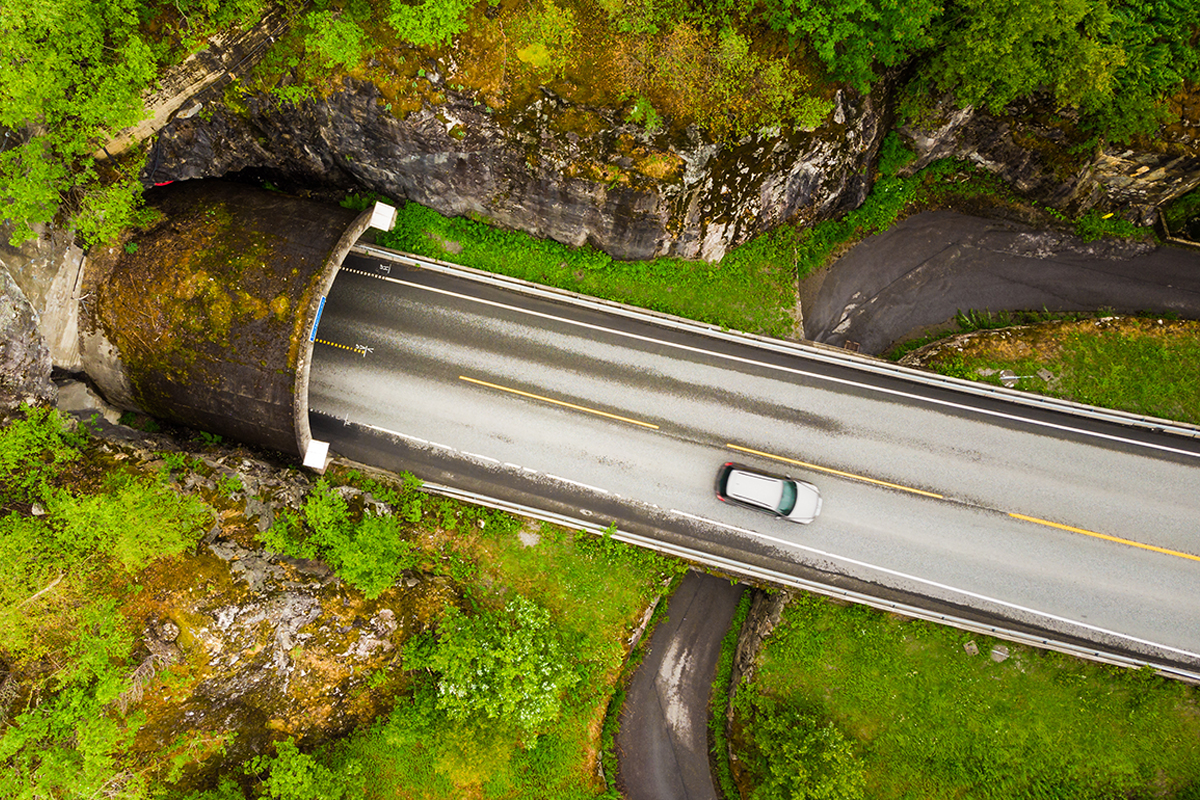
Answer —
392 432
510 464
577 483
481 458
946 587
712 522
793 370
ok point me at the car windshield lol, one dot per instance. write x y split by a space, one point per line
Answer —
788 501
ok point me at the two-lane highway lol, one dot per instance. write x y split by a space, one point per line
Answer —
1086 530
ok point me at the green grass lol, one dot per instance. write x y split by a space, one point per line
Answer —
752 289
929 720
1134 365
596 590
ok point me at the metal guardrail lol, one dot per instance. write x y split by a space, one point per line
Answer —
769 576
817 352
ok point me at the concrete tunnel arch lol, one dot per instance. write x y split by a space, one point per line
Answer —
205 318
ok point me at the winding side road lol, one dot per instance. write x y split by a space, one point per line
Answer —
931 265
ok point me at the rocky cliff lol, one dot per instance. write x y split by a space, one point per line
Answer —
1041 153
24 357
555 169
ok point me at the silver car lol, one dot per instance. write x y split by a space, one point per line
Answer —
795 501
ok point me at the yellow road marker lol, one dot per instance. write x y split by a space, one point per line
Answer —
838 472
1105 536
558 402
335 344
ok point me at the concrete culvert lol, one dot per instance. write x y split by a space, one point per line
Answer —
205 317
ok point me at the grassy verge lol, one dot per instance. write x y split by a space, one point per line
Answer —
1143 365
751 289
904 705
594 589
719 704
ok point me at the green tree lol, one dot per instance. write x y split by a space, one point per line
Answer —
71 77
292 775
992 52
510 666
854 37
426 23
796 757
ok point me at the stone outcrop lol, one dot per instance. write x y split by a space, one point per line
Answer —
47 270
241 647
766 609
1032 150
554 169
24 358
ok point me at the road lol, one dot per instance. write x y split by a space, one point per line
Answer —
1084 531
663 737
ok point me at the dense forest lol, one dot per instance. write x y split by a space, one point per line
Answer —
75 71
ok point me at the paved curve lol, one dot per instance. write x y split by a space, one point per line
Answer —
428 331
931 265
662 743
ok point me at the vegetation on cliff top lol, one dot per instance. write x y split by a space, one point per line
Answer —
74 72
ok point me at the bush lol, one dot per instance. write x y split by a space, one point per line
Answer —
795 755
369 552
33 450
544 35
510 667
427 23
337 38
292 775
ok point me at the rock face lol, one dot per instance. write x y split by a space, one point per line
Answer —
240 646
24 358
1030 149
554 169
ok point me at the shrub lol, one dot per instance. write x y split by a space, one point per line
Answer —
794 754
510 666
369 552
544 35
33 450
337 38
426 23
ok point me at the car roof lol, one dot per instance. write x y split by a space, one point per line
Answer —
752 487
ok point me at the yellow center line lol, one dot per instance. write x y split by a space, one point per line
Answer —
850 475
335 344
558 402
1105 536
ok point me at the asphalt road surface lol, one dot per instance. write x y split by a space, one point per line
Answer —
922 271
663 739
1086 531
